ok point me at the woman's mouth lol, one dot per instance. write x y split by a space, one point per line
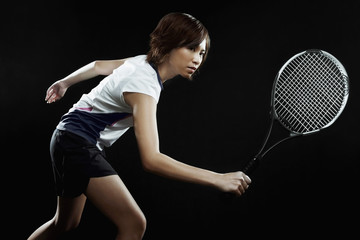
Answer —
192 69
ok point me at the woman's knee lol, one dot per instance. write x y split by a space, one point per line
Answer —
142 224
134 227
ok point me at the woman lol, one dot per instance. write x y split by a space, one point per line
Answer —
127 97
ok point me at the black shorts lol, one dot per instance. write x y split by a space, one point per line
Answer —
74 162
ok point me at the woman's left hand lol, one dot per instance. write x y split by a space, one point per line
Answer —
56 91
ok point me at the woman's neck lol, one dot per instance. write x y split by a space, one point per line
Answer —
165 71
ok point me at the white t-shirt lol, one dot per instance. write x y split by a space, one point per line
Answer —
102 115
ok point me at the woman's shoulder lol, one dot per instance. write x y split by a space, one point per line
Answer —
139 67
137 60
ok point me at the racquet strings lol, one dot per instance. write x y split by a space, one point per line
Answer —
310 93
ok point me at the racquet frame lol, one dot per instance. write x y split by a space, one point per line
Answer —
324 59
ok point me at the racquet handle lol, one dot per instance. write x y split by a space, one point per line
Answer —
251 165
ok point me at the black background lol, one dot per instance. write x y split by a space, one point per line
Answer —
305 187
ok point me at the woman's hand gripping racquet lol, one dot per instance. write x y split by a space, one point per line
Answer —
309 93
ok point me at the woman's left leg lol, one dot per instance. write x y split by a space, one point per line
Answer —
67 217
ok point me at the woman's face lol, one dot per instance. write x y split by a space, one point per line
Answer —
184 61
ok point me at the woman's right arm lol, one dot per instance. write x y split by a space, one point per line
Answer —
103 67
145 126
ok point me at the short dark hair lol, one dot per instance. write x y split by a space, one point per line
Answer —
176 30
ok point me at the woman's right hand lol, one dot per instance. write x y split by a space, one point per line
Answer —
234 182
56 91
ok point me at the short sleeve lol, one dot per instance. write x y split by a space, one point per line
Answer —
138 76
142 85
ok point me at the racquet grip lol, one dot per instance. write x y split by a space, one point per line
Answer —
251 165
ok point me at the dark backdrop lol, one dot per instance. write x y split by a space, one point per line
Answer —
305 187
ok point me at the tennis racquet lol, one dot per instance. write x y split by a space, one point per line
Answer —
309 93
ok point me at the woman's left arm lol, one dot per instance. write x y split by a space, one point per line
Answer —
145 126
101 67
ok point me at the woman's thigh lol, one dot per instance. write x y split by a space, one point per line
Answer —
69 211
110 195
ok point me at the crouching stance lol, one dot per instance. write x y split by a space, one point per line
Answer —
126 97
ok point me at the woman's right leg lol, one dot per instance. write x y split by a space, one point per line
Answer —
67 217
110 195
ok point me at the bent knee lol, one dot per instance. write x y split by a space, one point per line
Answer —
138 224
134 227
142 224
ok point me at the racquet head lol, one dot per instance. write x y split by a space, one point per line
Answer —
310 91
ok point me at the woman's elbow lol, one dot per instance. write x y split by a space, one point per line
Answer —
99 67
149 164
106 67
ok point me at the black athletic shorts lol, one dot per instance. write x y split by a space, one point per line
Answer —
75 161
